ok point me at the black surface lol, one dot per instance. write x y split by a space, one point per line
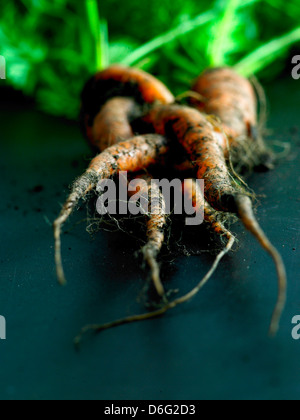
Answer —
215 347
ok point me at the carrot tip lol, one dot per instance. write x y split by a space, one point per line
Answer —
77 342
246 215
58 259
149 256
80 189
166 307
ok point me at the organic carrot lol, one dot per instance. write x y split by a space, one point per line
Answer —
131 155
232 99
206 146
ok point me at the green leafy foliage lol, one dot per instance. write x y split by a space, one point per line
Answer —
51 47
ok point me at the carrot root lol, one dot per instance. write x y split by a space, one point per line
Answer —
155 233
128 320
150 256
170 305
80 189
246 214
156 223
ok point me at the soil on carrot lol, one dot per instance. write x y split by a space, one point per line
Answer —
180 240
221 139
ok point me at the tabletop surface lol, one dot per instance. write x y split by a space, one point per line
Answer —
214 347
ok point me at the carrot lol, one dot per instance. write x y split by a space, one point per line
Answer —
131 155
157 220
192 191
119 81
121 101
112 124
156 224
190 188
207 146
233 100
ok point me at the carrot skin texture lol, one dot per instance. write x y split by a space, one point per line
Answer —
208 151
206 146
131 155
108 121
232 98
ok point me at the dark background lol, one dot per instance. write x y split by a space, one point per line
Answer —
214 347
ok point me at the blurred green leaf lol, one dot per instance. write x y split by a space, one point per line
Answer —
156 43
267 54
119 50
99 32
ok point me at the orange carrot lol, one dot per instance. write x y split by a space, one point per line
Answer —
232 99
122 81
156 224
110 100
